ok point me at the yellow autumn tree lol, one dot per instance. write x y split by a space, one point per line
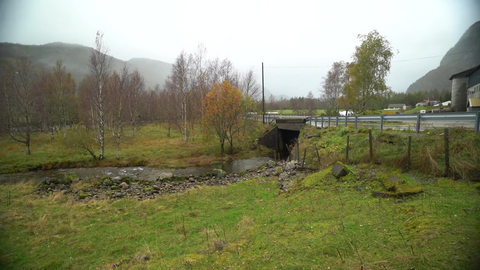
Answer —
224 112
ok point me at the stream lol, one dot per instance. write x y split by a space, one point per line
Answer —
137 173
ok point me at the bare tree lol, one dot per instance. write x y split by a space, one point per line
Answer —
249 85
46 102
118 85
333 84
21 100
63 87
310 103
178 88
100 69
135 88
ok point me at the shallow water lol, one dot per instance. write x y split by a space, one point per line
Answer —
138 173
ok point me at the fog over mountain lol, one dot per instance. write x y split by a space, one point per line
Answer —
75 59
464 55
296 41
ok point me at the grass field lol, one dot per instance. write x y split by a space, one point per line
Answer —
323 223
301 112
150 147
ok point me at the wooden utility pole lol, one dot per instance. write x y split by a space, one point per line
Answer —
263 96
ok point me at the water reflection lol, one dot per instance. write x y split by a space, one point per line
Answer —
139 173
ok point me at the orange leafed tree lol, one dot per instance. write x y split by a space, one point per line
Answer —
223 110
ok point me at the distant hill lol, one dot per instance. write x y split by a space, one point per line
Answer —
464 55
75 59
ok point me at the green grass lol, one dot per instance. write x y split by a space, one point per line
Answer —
323 223
150 147
390 148
418 109
293 112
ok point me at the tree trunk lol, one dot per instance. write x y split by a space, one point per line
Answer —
133 128
118 144
27 144
64 122
101 133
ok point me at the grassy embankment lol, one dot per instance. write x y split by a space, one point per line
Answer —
149 147
390 149
321 223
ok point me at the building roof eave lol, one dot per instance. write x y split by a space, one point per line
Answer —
464 73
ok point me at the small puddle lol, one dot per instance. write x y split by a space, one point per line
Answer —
138 173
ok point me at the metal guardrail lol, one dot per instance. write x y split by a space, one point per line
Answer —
403 121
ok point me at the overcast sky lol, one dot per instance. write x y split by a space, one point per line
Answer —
297 40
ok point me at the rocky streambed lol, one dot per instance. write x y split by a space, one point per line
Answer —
287 174
108 187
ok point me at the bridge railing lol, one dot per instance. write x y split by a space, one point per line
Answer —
401 121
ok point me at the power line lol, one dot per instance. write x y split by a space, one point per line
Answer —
427 57
402 60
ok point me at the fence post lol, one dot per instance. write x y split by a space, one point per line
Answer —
370 143
346 119
304 156
329 121
298 153
477 122
418 123
318 156
447 154
381 122
348 146
316 122
356 122
336 122
408 153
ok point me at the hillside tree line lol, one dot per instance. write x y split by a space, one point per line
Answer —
115 103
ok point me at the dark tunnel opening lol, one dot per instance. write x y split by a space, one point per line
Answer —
283 136
286 138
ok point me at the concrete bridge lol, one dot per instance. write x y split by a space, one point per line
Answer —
285 133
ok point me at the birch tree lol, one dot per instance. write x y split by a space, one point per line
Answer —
118 84
368 72
135 88
333 86
100 69
178 87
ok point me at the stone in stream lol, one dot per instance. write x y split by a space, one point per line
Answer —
124 185
219 173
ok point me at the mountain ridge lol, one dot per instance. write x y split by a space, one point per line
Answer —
75 58
463 55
